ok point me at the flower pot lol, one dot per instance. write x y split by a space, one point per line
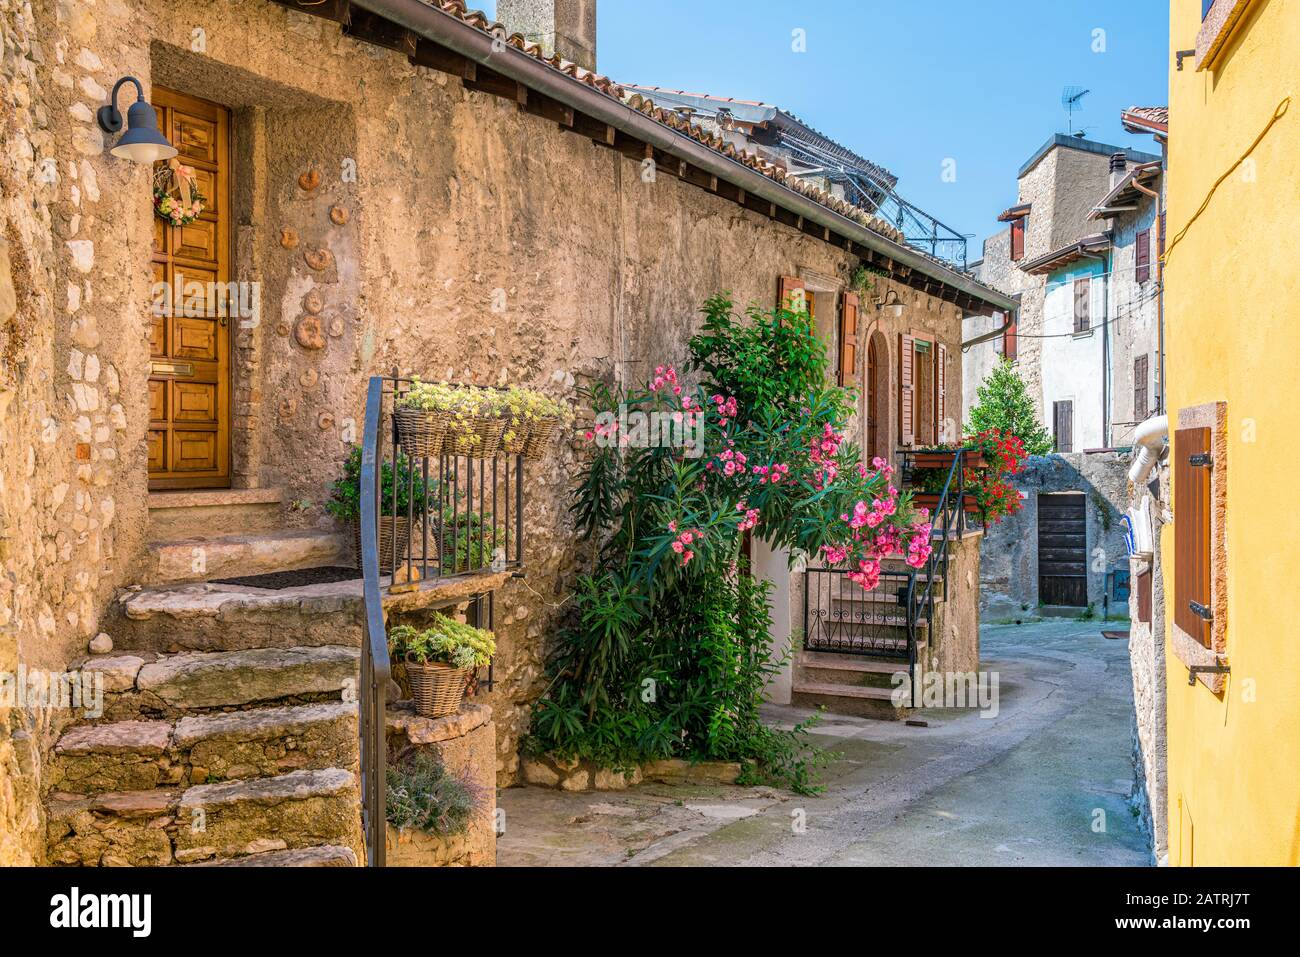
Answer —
475 438
436 688
420 432
930 500
538 436
943 460
387 524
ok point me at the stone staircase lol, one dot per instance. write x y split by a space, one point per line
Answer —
229 730
850 680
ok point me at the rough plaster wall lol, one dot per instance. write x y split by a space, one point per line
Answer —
1009 556
955 645
457 195
1079 180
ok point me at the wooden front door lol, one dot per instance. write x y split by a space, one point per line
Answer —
1062 549
189 382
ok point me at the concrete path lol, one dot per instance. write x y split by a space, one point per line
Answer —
1044 782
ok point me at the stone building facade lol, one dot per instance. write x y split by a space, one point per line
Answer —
393 216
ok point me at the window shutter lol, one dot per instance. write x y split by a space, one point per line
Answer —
1192 532
1082 304
1141 407
940 389
849 340
1160 236
1009 340
1143 272
1063 425
1017 239
792 293
906 388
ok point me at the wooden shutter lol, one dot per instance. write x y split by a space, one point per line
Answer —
1192 531
792 293
1141 407
1009 340
1063 425
940 389
1082 304
849 339
1017 239
906 388
1160 236
1143 255
1144 597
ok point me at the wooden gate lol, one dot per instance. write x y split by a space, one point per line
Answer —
1062 549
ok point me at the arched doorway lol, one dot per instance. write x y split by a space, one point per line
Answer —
876 441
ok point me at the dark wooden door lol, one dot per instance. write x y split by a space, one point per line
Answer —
189 381
1062 549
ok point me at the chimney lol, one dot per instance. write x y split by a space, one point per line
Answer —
564 27
1118 165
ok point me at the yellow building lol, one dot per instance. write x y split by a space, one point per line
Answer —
1231 556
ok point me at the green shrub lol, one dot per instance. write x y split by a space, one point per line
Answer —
424 795
345 494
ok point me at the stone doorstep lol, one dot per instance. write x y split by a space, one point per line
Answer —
846 670
326 855
232 556
861 701
223 678
182 514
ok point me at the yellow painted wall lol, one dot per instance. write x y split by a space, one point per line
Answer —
1233 334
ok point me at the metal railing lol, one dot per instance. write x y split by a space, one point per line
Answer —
842 617
423 519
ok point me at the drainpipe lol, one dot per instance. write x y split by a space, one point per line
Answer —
1011 317
1160 294
1148 439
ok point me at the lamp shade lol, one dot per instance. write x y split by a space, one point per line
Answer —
143 142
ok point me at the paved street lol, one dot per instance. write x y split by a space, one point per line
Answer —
1044 782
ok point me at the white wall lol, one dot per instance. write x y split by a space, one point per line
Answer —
1072 364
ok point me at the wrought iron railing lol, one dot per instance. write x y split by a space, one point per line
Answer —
424 518
886 622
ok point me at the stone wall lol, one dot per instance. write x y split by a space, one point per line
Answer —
1009 556
449 234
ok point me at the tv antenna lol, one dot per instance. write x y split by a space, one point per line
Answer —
1071 99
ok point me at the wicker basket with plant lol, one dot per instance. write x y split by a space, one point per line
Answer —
440 660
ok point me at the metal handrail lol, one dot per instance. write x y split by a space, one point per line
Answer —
376 669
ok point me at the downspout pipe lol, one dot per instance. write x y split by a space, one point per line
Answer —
472 43
1148 440
1011 317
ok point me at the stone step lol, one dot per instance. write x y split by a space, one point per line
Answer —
327 855
173 826
187 514
171 685
845 699
135 755
237 556
827 668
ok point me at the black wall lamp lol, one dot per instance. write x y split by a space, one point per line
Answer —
142 142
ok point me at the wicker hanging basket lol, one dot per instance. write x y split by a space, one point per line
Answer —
387 523
479 438
436 688
420 432
538 436
515 437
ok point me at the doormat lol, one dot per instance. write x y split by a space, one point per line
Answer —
297 578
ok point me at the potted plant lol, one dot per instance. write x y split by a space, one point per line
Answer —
531 419
988 491
440 661
420 414
403 496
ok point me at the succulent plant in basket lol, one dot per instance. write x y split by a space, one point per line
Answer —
421 414
439 661
531 419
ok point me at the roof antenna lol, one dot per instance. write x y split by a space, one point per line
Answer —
1071 99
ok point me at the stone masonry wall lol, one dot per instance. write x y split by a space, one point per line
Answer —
450 234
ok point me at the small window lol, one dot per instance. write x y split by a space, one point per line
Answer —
1143 250
1082 304
1141 405
1018 239
1063 425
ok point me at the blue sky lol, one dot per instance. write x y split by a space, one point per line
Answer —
910 83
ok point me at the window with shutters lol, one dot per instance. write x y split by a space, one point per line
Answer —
792 294
1143 249
1063 425
1141 408
940 391
1198 462
906 389
1082 304
1017 239
848 372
